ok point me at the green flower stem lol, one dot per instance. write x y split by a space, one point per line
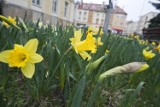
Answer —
5 76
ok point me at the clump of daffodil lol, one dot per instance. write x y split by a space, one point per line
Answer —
81 47
23 57
148 54
11 20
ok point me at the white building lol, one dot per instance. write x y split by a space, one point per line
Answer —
130 27
144 21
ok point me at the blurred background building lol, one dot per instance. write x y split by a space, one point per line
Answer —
138 26
47 11
88 14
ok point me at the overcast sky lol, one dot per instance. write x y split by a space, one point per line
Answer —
134 8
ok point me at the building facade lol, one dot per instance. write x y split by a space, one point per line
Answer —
144 21
47 11
118 19
88 14
130 27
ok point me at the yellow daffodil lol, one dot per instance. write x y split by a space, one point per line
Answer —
95 31
82 46
153 43
107 51
157 48
137 38
131 35
99 43
148 54
143 67
146 42
12 20
23 57
142 42
90 29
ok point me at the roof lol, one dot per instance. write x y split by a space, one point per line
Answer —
100 8
119 10
149 14
92 7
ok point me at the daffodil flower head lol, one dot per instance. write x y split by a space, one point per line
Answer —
157 48
148 54
90 29
81 47
107 51
99 43
23 57
95 31
153 43
142 42
12 20
146 42
143 67
132 35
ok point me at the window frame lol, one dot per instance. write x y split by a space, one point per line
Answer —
66 9
34 2
55 6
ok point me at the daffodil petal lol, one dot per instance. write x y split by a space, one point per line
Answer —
85 55
28 70
35 58
31 45
4 56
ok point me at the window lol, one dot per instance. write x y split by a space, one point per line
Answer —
117 16
80 13
54 6
85 13
97 14
84 18
36 2
103 15
121 23
79 18
97 21
102 21
65 9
